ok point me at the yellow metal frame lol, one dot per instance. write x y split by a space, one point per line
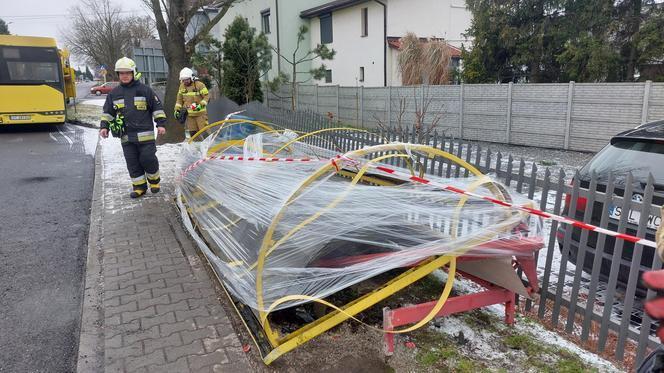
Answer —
287 343
284 344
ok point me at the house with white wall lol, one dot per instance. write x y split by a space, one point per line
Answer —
364 33
280 21
360 32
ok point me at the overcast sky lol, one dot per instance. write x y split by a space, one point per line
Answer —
50 17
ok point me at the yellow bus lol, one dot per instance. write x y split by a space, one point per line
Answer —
36 80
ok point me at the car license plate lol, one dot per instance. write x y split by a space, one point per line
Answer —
19 117
634 216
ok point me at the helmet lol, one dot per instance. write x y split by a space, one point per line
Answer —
186 73
125 64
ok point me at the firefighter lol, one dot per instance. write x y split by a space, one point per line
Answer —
130 111
192 96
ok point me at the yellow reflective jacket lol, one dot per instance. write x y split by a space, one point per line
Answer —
196 92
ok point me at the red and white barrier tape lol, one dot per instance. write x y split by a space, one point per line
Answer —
241 158
450 188
540 213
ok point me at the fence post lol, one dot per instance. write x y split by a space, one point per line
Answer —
461 111
338 113
317 111
389 106
509 111
281 97
646 101
568 117
268 94
361 106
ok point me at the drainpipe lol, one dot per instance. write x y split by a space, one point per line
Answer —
276 11
384 42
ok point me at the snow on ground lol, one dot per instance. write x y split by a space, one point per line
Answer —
93 102
115 166
117 178
481 341
568 161
85 113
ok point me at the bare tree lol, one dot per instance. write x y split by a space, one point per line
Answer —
100 35
425 120
172 19
140 28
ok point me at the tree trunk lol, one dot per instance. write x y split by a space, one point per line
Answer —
634 25
176 59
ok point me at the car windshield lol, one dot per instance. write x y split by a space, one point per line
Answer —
639 157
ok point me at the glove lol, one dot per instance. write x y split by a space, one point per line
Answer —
176 114
117 126
655 307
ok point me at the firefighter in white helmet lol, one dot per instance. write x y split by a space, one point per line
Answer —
192 99
130 113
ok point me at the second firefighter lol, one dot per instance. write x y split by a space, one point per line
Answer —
192 96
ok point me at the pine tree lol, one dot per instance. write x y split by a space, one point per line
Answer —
246 57
559 41
88 73
4 29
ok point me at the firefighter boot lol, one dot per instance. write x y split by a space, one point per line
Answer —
153 180
138 191
139 185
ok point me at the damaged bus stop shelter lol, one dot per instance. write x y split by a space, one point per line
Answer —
287 219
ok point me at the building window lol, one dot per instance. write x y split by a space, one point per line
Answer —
265 21
328 76
365 22
361 73
326 29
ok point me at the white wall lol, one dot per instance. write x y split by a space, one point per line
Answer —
289 24
393 74
429 18
353 50
446 19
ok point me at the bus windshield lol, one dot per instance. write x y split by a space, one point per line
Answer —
29 65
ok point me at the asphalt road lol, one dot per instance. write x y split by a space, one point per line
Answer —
46 178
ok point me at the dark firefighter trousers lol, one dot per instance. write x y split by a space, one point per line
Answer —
142 161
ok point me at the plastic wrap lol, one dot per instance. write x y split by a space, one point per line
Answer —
308 222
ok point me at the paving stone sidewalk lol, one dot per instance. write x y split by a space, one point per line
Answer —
150 305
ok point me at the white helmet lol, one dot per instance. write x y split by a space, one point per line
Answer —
186 73
125 64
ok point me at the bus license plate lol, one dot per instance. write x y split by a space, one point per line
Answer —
19 117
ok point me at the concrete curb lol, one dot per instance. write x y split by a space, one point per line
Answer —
91 342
